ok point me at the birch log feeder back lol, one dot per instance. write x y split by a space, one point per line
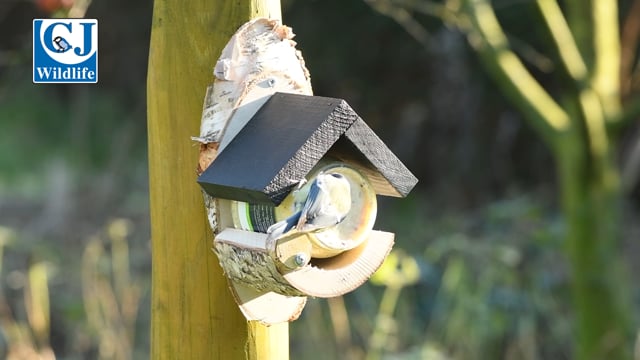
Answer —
265 140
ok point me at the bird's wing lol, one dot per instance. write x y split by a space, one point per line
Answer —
312 215
311 205
282 227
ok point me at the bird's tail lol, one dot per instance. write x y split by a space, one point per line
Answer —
282 227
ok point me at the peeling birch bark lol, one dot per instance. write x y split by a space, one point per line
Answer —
259 60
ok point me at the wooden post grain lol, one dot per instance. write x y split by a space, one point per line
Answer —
193 315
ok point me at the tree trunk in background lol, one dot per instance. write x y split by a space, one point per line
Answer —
193 315
591 200
579 134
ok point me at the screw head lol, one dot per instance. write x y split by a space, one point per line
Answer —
300 259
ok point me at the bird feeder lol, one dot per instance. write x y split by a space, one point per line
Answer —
259 149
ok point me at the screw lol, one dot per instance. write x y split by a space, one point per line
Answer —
300 259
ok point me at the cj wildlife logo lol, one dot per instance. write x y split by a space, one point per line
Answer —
65 51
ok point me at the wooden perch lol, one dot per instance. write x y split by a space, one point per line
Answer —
245 259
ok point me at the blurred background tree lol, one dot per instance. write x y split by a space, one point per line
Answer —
482 238
581 129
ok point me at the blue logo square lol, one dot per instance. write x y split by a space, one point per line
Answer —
65 51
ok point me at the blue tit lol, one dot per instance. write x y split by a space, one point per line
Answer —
326 205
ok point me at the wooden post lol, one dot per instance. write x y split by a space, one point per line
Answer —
193 315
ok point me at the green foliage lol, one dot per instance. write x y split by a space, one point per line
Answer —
30 127
84 126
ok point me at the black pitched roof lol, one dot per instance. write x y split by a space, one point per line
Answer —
287 137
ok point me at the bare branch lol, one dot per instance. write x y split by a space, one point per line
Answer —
629 44
403 18
425 7
606 74
536 104
590 99
578 14
594 119
530 55
631 168
563 40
